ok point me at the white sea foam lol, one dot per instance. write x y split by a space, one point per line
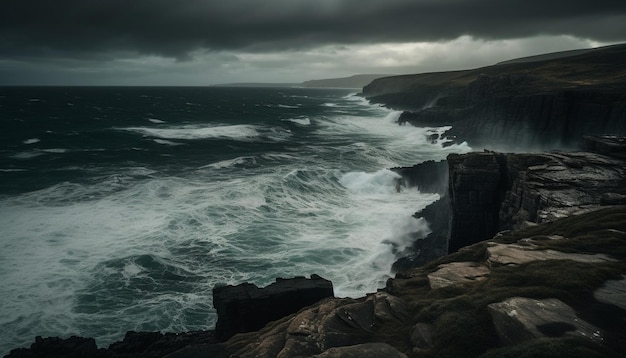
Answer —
27 155
55 150
194 132
31 141
141 250
240 161
157 121
167 142
303 121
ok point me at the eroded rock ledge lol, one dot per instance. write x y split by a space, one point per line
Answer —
492 192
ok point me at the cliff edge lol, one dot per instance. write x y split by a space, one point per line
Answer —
517 106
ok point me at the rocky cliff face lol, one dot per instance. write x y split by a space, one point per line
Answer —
491 192
520 106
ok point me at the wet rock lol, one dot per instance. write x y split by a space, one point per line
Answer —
519 319
330 323
428 177
613 292
246 307
476 188
55 347
367 350
515 254
614 146
457 272
422 336
434 244
491 192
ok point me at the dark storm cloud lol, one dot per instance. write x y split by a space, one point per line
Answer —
174 28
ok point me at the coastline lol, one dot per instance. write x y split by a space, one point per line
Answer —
525 231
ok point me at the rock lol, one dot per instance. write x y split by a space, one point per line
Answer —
613 146
612 199
422 336
246 307
55 347
539 105
328 324
134 345
491 192
434 244
428 177
613 292
457 272
476 188
367 350
156 344
520 319
515 254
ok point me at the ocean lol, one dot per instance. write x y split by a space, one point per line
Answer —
122 207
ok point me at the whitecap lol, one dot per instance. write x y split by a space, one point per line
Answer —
230 163
381 182
55 150
157 121
303 121
193 132
167 142
288 106
26 155
31 141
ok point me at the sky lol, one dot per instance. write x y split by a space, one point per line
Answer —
205 42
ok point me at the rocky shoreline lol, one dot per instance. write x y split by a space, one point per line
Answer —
559 264
527 254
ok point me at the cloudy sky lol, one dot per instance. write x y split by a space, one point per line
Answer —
203 42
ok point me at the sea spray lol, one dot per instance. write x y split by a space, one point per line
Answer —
135 202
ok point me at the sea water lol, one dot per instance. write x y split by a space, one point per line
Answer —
121 208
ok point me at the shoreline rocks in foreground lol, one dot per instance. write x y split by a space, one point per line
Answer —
460 304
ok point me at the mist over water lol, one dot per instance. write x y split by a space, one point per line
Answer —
121 208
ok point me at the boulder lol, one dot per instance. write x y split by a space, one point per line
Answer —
329 324
520 319
246 307
457 272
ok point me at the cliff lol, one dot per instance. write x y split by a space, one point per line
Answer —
538 241
517 105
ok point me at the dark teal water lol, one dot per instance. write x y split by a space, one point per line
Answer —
121 208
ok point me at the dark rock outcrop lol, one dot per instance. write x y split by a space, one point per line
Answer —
546 287
433 245
546 104
460 305
246 307
491 192
134 345
427 177
73 347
